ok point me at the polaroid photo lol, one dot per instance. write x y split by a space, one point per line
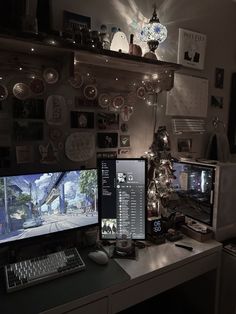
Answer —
107 140
82 119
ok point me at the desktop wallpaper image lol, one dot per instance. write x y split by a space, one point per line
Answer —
37 204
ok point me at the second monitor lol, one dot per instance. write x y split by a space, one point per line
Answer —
122 198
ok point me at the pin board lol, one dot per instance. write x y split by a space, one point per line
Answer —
188 97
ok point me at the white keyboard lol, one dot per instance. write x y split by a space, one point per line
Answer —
43 268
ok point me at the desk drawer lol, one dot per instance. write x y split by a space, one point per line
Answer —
163 282
100 306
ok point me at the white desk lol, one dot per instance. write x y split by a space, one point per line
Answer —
158 269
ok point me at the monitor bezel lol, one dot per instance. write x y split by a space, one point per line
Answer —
99 177
206 166
53 236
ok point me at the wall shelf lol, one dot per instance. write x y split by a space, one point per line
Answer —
56 47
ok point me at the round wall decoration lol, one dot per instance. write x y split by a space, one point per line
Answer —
3 92
118 102
80 146
37 86
141 92
90 92
104 100
21 91
77 80
50 75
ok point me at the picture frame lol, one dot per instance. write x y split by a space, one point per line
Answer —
107 121
82 119
107 140
184 145
191 49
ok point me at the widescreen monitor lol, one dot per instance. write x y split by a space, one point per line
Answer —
122 198
33 205
193 191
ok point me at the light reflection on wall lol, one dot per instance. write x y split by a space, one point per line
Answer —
172 14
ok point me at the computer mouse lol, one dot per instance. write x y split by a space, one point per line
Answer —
99 257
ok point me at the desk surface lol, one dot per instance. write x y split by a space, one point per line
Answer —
167 256
62 290
66 292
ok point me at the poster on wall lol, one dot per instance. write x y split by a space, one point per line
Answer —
188 97
191 49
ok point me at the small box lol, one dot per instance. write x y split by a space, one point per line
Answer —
199 236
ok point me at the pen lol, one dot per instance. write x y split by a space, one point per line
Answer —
189 248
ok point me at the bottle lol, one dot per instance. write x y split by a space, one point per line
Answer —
134 49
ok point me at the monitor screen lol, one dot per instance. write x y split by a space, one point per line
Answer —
193 191
44 203
122 198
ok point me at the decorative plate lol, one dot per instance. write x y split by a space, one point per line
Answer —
90 92
21 91
148 86
50 75
77 80
3 92
37 86
118 102
80 146
141 92
104 100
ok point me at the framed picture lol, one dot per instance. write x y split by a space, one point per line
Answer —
82 119
219 78
184 145
107 140
73 22
124 141
191 49
108 121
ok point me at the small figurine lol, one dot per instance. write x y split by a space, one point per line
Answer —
120 42
104 37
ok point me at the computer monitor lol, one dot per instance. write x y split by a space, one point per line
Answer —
122 198
33 205
193 191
